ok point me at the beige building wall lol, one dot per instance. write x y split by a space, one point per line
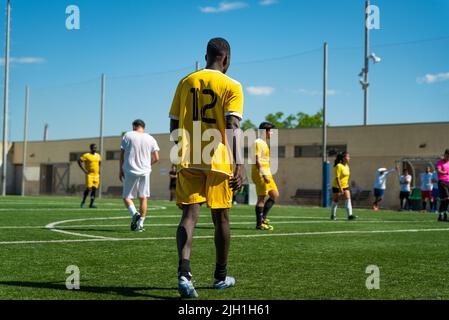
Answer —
370 147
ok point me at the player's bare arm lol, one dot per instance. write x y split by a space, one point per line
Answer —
259 168
80 163
233 123
155 157
339 185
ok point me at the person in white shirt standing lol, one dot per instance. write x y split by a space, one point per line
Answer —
405 181
380 185
427 188
139 151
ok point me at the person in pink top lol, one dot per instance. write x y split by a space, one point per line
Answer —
442 169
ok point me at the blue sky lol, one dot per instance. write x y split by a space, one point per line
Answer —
144 47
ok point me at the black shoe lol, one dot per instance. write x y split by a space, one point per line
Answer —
134 220
92 206
350 218
440 218
333 218
445 218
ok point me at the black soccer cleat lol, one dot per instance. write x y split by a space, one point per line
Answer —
351 218
134 220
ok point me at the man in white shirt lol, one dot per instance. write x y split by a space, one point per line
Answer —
405 181
380 185
139 151
426 188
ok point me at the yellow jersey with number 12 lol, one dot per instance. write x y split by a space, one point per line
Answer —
202 101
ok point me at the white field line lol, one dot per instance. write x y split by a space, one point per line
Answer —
295 234
153 208
24 202
149 224
51 226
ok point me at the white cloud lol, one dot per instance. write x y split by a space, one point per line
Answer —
433 78
330 92
23 60
224 7
268 2
260 91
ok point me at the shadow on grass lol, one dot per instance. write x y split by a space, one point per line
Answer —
129 292
232 228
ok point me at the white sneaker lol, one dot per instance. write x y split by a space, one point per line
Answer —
229 282
186 289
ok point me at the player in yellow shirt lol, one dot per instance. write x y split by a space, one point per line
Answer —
207 102
91 169
263 179
340 185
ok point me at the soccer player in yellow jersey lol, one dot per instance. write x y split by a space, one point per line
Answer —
263 179
92 162
207 102
340 185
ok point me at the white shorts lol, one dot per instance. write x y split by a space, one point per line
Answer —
136 186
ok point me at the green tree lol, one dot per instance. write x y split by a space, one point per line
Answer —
310 121
289 122
247 124
302 120
276 119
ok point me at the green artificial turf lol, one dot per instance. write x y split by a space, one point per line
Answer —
306 256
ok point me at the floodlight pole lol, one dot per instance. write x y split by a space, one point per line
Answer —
6 99
25 137
103 95
326 167
366 69
197 66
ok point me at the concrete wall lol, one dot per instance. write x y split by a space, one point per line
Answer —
370 147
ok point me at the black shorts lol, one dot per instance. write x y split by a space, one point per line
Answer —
172 185
443 189
404 195
336 190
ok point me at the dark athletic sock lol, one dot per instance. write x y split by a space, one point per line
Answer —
220 272
184 269
259 214
86 193
92 196
268 205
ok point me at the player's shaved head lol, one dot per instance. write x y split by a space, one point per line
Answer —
218 55
218 47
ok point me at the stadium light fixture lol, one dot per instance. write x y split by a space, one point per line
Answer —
375 58
364 84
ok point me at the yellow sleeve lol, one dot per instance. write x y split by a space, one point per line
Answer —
234 101
339 171
258 150
83 158
175 109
